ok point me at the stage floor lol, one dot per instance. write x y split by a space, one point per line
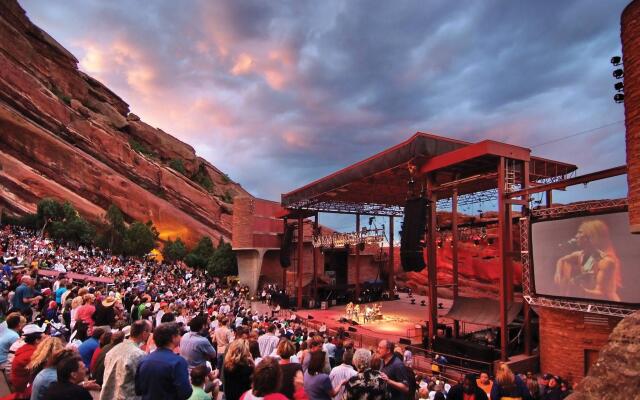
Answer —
400 318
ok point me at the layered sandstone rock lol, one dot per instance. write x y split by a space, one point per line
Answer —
64 134
616 374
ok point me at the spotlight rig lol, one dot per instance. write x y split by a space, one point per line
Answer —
618 74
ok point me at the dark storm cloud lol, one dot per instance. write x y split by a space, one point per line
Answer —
282 93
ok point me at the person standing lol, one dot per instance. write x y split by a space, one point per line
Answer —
393 371
164 374
467 390
9 336
342 372
25 296
20 375
195 346
121 363
238 368
268 342
71 381
222 336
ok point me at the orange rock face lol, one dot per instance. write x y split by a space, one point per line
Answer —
63 134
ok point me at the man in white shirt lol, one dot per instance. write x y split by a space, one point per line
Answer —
268 342
342 373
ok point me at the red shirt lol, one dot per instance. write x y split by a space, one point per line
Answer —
20 376
85 314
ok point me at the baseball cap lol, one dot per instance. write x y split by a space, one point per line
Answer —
31 329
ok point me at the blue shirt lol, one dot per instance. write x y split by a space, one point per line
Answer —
196 349
22 292
59 294
86 350
42 382
7 338
163 375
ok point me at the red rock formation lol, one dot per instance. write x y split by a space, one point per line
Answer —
63 134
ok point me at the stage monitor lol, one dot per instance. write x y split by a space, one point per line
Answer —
593 258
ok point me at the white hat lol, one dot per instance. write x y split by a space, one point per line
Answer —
32 328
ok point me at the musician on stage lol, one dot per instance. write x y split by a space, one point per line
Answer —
349 310
378 310
356 312
368 313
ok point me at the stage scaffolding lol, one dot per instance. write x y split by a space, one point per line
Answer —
449 174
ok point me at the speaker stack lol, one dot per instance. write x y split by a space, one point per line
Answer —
412 234
285 247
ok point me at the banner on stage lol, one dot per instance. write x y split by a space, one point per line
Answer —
336 239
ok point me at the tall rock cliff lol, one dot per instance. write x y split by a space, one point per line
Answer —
65 135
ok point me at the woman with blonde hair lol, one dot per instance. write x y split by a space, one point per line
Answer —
507 385
594 269
238 368
48 375
292 376
43 354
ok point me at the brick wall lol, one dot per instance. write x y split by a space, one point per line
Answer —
630 35
566 335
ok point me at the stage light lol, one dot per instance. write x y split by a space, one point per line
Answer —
616 60
476 242
413 301
440 306
618 73
619 98
439 243
490 241
619 86
423 303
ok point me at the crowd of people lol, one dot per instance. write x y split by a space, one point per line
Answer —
166 331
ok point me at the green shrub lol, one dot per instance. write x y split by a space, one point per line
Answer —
227 197
202 178
140 148
178 165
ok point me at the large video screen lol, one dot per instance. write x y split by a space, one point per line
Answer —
593 257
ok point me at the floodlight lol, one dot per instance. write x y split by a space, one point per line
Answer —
618 73
616 60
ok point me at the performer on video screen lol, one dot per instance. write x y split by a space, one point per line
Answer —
594 269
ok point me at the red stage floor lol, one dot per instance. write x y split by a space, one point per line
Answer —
401 319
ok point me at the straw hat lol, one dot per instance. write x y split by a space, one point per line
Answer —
108 302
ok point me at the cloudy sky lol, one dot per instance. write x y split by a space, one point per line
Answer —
278 93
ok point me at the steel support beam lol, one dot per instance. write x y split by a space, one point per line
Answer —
357 259
454 251
502 257
315 260
604 174
391 274
526 307
432 261
300 255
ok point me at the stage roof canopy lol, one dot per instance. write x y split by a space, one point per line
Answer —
379 184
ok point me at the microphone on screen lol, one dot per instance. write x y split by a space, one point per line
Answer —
569 243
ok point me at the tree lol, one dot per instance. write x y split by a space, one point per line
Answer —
174 251
198 257
223 262
115 229
49 210
63 222
139 239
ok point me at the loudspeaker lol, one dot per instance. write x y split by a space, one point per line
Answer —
405 341
352 329
412 234
309 316
285 246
